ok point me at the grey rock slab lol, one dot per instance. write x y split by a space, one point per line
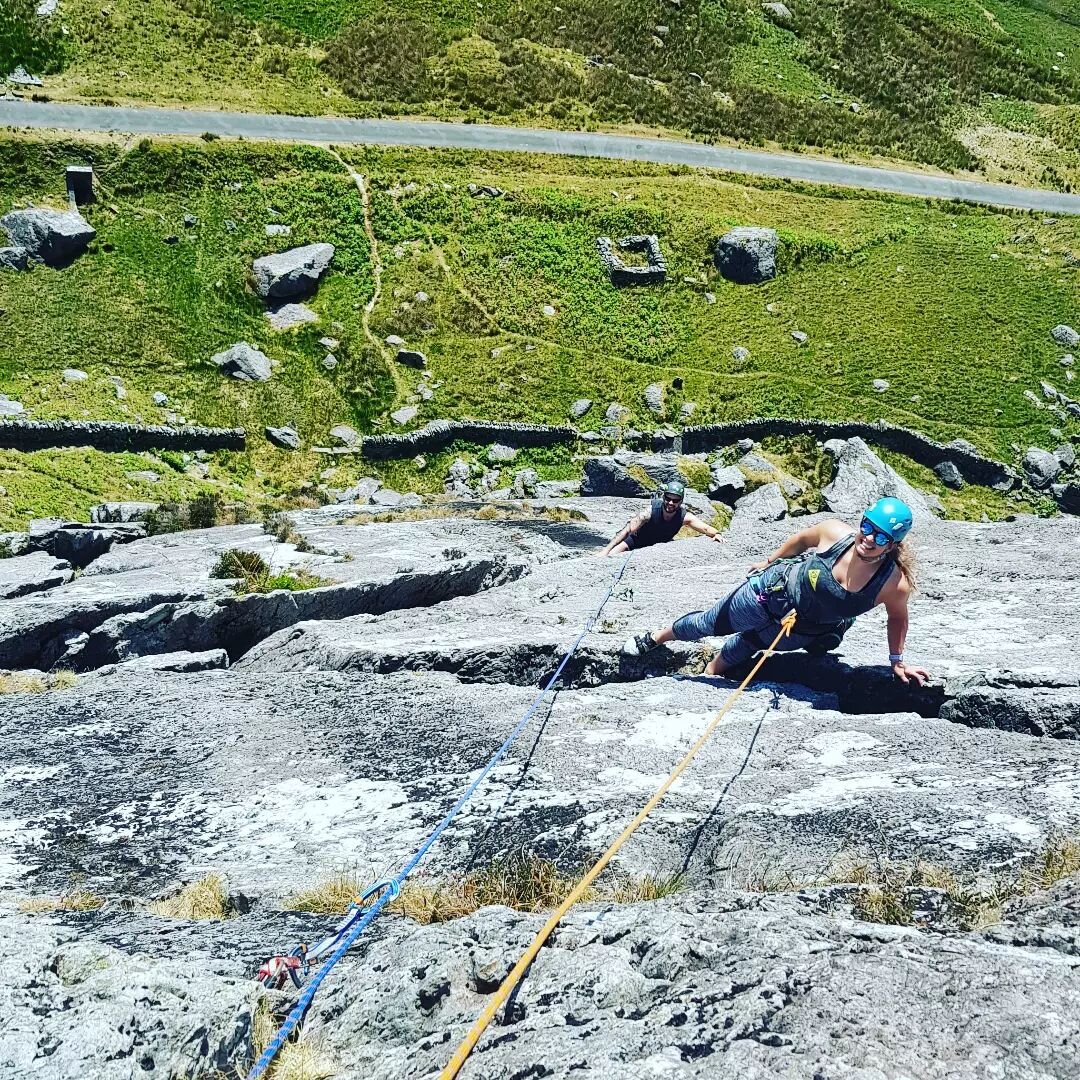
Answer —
11 408
498 454
289 316
345 435
56 237
105 1012
747 255
1066 454
405 415
654 397
292 274
32 573
605 476
286 438
1064 335
411 358
949 474
767 503
13 258
1040 467
243 361
554 489
121 512
862 478
727 483
580 407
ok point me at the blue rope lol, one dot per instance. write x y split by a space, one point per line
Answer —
392 886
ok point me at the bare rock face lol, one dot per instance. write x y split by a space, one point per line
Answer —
862 478
352 716
56 237
245 362
747 255
292 274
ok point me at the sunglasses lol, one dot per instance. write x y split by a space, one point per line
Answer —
672 500
867 528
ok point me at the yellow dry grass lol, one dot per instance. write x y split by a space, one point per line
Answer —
79 900
523 882
301 1058
16 683
202 899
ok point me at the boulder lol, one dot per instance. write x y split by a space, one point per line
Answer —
727 483
963 444
1069 499
121 512
747 255
654 397
386 498
360 493
74 375
525 481
799 337
949 474
244 362
285 438
344 435
778 12
686 410
14 543
32 573
617 414
56 237
740 354
289 316
14 258
405 415
1066 455
580 407
556 489
1064 335
160 399
862 478
292 274
765 504
10 408
411 358
1040 467
881 385
498 454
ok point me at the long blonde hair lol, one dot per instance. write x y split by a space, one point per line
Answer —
906 560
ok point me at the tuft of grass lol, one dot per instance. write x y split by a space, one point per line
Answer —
16 683
253 575
1058 860
202 899
79 900
522 881
301 1058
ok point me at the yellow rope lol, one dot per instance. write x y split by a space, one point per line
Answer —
519 969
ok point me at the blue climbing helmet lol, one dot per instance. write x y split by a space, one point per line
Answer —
891 516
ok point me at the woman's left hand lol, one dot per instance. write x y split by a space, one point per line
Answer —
906 672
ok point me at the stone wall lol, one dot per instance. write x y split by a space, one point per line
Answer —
620 273
115 437
975 468
439 434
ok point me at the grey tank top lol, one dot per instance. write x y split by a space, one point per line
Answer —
816 594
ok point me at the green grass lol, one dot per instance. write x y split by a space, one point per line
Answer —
723 70
884 287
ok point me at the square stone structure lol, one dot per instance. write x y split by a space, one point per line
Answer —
80 183
653 273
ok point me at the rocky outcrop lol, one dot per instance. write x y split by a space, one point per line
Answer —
862 478
341 741
747 255
32 573
293 274
55 237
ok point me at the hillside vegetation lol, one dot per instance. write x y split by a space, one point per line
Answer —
507 298
990 85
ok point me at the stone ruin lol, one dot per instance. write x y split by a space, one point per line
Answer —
654 272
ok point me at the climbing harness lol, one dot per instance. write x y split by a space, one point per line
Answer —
579 890
296 965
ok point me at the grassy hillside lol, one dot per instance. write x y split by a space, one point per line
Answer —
952 306
991 85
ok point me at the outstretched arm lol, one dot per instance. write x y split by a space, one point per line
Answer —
631 526
694 522
802 541
895 599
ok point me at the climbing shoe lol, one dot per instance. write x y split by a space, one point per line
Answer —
638 646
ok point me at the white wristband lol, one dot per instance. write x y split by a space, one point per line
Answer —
896 658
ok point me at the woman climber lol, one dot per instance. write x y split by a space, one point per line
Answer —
829 574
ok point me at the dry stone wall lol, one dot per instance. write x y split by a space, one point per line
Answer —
115 437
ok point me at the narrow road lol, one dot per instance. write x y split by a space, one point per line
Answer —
328 129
